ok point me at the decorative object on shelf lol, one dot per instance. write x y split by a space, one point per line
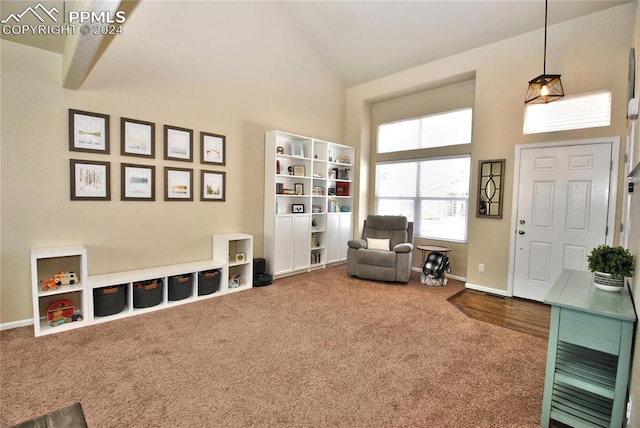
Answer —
62 311
137 182
610 266
297 150
277 167
212 148
137 138
342 189
178 143
299 170
297 208
88 132
546 87
236 280
213 185
178 184
240 257
280 150
490 185
299 188
90 180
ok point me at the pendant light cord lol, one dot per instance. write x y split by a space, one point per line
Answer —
544 63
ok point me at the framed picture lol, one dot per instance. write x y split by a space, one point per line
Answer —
90 180
299 188
178 143
213 186
297 208
298 170
88 132
212 148
178 184
137 138
137 182
297 149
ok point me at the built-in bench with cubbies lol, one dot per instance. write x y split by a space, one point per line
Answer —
99 298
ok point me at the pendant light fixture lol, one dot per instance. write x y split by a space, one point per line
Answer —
546 87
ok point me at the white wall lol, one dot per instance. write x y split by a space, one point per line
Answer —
231 68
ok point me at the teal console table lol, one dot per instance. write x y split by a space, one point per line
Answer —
589 354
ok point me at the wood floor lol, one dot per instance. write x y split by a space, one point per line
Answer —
510 312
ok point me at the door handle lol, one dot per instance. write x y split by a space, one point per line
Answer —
521 232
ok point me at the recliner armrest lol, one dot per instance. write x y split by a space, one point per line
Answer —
403 248
357 243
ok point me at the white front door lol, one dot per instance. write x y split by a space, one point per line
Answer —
563 201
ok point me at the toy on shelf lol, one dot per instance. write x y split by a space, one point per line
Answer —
66 278
62 311
49 284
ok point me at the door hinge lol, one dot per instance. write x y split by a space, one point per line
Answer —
606 231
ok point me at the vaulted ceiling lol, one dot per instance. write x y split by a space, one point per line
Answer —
360 40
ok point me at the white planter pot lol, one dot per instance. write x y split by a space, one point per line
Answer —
604 281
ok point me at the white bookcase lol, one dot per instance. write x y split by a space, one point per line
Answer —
308 185
232 262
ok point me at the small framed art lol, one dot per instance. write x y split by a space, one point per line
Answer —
212 185
178 184
299 170
178 143
88 132
90 180
212 148
138 182
297 150
299 188
137 138
297 208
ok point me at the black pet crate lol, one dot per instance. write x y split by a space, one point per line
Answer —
109 300
147 293
180 287
208 281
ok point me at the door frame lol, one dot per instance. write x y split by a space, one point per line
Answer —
613 192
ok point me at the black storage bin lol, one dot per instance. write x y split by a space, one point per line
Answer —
208 282
147 293
109 300
180 287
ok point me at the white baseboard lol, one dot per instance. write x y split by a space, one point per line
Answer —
16 324
486 289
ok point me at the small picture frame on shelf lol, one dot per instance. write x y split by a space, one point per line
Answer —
90 180
299 188
178 143
297 149
299 170
297 208
178 184
88 132
137 138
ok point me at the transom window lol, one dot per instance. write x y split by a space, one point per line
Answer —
432 193
437 130
580 111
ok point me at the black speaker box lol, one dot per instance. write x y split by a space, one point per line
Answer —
259 266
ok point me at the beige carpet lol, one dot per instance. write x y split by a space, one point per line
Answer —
313 350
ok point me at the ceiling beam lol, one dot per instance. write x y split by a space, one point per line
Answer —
81 51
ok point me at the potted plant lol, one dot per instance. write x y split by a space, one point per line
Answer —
610 266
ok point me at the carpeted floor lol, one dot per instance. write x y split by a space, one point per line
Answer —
313 350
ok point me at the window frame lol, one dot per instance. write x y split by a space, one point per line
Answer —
417 199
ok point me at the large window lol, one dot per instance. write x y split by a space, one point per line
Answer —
437 130
432 193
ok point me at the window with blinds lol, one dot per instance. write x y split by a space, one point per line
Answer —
588 110
432 193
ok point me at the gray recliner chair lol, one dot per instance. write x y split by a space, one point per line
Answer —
384 252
